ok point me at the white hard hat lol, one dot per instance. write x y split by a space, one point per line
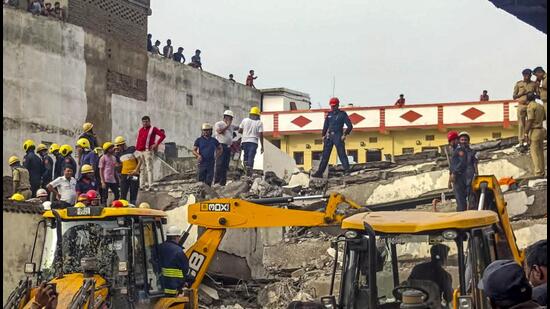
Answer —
229 113
173 231
47 205
41 192
206 126
464 133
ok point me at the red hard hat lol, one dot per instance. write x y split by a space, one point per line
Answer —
334 102
117 204
82 197
92 195
452 135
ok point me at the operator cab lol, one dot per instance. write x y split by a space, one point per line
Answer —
382 249
121 241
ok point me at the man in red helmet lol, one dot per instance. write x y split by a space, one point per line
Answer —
334 135
452 138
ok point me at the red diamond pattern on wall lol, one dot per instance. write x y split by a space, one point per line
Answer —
356 118
301 121
473 113
411 116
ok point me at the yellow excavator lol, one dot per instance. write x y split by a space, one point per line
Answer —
105 257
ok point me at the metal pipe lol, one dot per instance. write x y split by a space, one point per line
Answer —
483 186
285 199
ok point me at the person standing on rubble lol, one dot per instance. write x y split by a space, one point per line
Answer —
34 165
206 149
47 165
147 143
452 138
521 89
535 134
174 263
54 149
335 136
252 130
463 171
224 134
67 158
20 178
129 173
89 134
107 173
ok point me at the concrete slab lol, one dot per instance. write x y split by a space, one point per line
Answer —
517 202
277 161
294 256
300 179
530 235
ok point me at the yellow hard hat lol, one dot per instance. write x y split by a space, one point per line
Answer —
65 150
144 205
28 144
206 126
54 147
87 126
255 110
84 143
107 145
125 203
17 197
13 159
98 150
119 140
41 147
79 204
86 168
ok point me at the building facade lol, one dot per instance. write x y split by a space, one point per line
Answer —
382 132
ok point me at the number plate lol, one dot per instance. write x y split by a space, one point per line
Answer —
84 211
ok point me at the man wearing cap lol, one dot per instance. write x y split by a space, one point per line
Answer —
224 134
33 164
536 268
174 263
521 89
206 149
452 138
542 85
20 177
334 136
506 286
129 173
41 196
535 134
89 134
433 271
252 130
107 173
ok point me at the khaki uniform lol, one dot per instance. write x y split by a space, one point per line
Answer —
21 181
520 93
537 134
543 91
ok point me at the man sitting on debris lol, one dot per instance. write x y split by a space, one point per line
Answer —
536 269
173 263
434 271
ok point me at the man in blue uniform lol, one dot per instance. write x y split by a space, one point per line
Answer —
174 263
463 171
33 164
206 149
334 135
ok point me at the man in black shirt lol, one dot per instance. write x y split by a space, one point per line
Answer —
434 271
178 56
149 42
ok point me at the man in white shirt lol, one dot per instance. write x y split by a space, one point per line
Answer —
64 187
252 130
224 131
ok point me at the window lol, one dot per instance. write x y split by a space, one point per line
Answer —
293 106
430 137
299 157
374 155
316 155
497 135
189 100
146 258
318 142
373 139
407 150
276 143
354 154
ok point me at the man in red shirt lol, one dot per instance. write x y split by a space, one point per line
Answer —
250 79
146 146
401 101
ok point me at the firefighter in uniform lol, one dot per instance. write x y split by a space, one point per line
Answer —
54 150
47 165
68 160
521 89
173 263
20 175
535 134
34 165
463 170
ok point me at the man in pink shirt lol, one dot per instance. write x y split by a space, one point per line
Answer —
107 173
146 146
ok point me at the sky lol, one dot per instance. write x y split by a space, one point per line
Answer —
370 51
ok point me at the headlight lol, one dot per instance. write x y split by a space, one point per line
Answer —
450 234
29 268
122 267
351 234
465 302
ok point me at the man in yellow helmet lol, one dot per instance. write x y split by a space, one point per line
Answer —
252 130
20 177
88 156
57 167
89 134
66 152
47 165
107 173
34 165
129 173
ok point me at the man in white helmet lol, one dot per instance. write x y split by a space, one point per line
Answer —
173 262
224 134
206 149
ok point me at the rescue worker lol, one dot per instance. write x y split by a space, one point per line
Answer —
463 170
20 178
47 165
224 134
87 180
434 271
206 149
107 173
88 156
67 158
542 85
33 164
521 89
57 167
174 263
334 136
535 134
89 134
83 198
93 197
452 138
129 173
41 196
252 130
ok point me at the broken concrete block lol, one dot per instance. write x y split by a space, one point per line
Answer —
529 235
298 273
320 286
516 202
293 256
212 293
233 189
301 179
277 161
537 182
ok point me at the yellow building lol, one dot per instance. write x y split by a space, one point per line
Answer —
382 132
